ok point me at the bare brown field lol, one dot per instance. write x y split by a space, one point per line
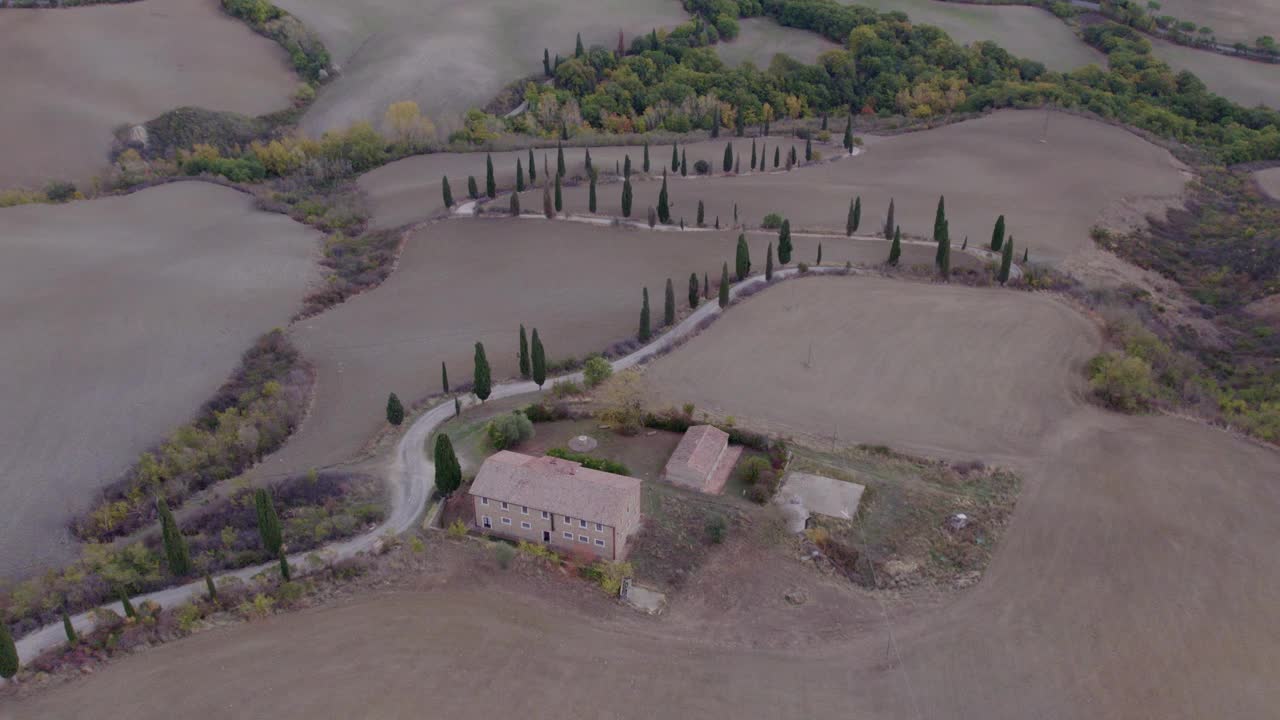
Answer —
410 189
467 280
1135 581
928 368
759 39
1244 81
1269 180
1231 20
71 77
451 56
1051 193
120 316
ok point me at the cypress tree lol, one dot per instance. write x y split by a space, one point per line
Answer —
682 223
715 123
819 260
626 197
472 190
895 250
67 628
766 127
939 219
490 185
548 208
577 48
444 378
728 157
669 304
855 217
644 334
268 522
889 226
784 242
175 545
742 259
724 286
626 167
519 176
997 234
764 155
587 162
848 135
706 287
448 470
284 567
768 263
776 156
944 261
546 62
539 360
737 164
515 204
210 591
717 222
824 121
693 290
559 195
675 158
753 153
700 213
791 158
8 653
457 406
1006 261
735 214
448 194
129 612
965 244
1025 250
524 354
808 149
482 383
591 194
395 411
559 159
684 163
664 206
646 157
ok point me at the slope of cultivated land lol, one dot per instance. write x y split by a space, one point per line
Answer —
1136 580
410 189
1269 179
1050 193
1245 81
451 56
120 316
931 368
1231 20
760 39
467 280
71 77
1024 31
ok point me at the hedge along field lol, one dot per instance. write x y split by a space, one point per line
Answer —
1245 81
120 317
1231 20
71 77
466 280
450 56
1050 193
759 39
1026 32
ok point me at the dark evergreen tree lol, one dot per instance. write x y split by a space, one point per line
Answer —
939 218
645 163
587 162
481 385
577 47
944 260
515 204
559 195
764 156
546 62
175 545
700 213
444 378
533 174
8 653
448 194
684 163
664 203
824 121
539 360
848 135
855 217
559 159
626 197
693 290
895 250
473 191
211 592
784 242
268 522
1025 251
728 157
669 305
768 263
125 603
490 185
808 149
591 194
753 153
965 245
776 156
735 214
519 176
457 406
819 260
724 286
70 631
889 226
742 259
395 411
1006 260
717 222
643 334
626 167
997 234
285 573
448 470
523 358
675 158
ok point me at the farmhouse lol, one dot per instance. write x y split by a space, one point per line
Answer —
557 502
703 459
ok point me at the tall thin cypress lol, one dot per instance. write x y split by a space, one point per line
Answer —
587 162
546 62
268 522
784 242
643 334
768 263
669 304
700 213
742 258
808 149
1025 254
819 260
997 234
889 225
646 157
559 195
724 286
675 157
490 185
125 603
591 194
473 190
519 176
444 378
1006 261
481 385
559 159
684 162
626 197
211 592
533 170
855 217
70 630
939 218
895 250
753 153
523 358
285 573
848 135
448 194
664 203
693 290
9 663
577 47
539 360
944 259
706 287
626 166
175 545
777 155
728 157
448 470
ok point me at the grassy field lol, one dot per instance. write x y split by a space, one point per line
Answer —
1269 179
1024 31
762 38
450 56
1244 81
130 63
120 317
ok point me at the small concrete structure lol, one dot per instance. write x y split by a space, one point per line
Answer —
583 443
803 494
703 459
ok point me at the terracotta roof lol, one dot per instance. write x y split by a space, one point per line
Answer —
700 448
560 486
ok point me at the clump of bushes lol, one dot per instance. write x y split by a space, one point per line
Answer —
596 370
1122 382
206 159
305 50
352 264
60 191
541 412
589 462
702 167
508 430
608 575
772 221
760 477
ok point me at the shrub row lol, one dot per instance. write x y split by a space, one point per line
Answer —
589 462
